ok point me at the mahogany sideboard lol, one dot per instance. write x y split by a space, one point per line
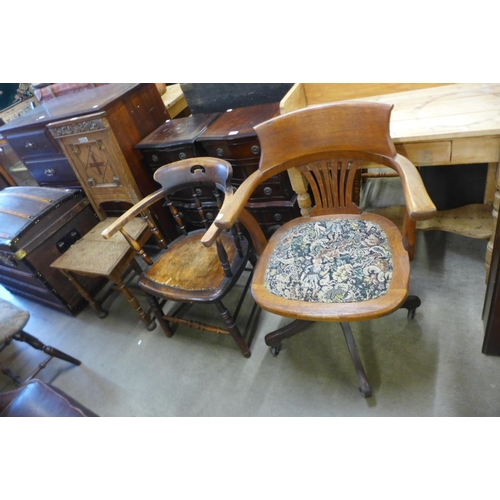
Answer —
87 139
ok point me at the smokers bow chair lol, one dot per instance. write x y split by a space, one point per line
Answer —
186 271
336 264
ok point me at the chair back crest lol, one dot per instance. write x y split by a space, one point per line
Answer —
327 144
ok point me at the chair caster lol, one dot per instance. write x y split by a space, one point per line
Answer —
275 350
411 303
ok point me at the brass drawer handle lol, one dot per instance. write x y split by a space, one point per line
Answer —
268 191
155 158
49 172
182 156
220 152
30 145
255 150
277 217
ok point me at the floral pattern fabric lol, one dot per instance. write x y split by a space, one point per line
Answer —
338 260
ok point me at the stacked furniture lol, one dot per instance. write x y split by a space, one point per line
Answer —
87 139
232 137
229 136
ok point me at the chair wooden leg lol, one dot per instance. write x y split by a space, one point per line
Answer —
364 386
144 316
158 312
274 339
233 329
22 336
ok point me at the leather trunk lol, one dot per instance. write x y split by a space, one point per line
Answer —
37 224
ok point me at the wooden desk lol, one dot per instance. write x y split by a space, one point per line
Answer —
446 125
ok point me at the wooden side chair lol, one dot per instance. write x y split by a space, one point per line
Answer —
335 264
13 319
185 271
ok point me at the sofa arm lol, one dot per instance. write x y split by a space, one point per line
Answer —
37 399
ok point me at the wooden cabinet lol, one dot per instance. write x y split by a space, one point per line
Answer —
175 140
88 139
98 162
232 137
229 136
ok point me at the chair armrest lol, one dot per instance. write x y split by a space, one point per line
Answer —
234 204
248 220
418 203
131 213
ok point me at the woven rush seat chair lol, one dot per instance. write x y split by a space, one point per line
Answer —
336 264
187 272
13 319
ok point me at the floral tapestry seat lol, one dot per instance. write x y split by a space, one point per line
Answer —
331 261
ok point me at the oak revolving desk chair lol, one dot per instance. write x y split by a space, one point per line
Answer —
185 271
336 264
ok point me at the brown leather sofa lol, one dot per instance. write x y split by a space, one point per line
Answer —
37 399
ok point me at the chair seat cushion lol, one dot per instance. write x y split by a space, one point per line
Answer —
331 261
12 319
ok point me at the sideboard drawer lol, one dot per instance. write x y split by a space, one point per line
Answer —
156 158
232 149
52 171
32 143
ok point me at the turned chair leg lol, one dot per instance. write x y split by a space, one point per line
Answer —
158 313
52 352
364 386
22 336
233 329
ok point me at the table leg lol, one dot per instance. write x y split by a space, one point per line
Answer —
94 304
494 213
299 185
144 316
